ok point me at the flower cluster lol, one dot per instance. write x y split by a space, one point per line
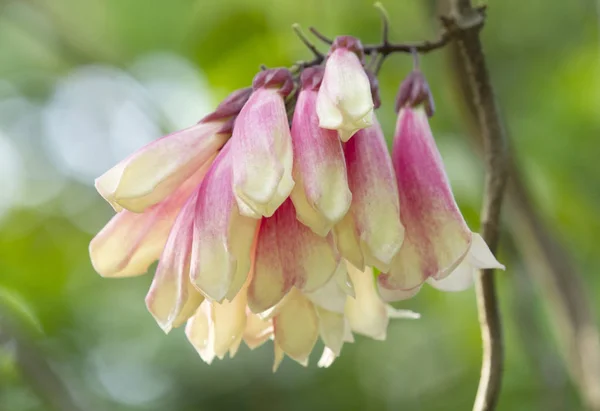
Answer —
269 231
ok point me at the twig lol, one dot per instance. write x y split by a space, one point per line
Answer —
465 22
320 36
298 30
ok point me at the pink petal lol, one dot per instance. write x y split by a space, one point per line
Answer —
344 101
130 242
437 237
262 154
321 195
172 299
152 173
221 252
287 254
296 327
375 209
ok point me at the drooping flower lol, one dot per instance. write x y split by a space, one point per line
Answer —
344 101
321 195
371 232
262 146
437 238
152 173
155 182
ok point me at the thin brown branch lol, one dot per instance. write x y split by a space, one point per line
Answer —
465 23
298 30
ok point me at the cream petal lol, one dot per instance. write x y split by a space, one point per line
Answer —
347 241
131 242
257 331
221 251
332 296
367 313
331 329
172 299
278 354
229 319
262 154
462 277
288 253
344 102
327 358
375 205
436 236
200 332
296 327
480 255
152 173
321 195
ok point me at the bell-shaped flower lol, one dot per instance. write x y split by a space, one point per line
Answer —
321 195
262 146
437 238
288 254
152 173
371 232
131 242
221 249
344 102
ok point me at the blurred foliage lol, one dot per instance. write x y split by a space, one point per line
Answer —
83 83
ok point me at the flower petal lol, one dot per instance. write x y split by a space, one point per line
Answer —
367 313
437 237
257 331
288 253
331 329
200 332
462 277
221 252
296 327
332 296
130 242
327 358
229 319
152 173
321 194
262 153
344 101
172 299
375 205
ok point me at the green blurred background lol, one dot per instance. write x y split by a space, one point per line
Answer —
84 83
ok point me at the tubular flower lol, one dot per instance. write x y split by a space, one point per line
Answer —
262 146
152 173
344 101
295 323
371 232
437 238
321 195
156 182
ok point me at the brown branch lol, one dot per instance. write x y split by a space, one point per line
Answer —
548 262
465 22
